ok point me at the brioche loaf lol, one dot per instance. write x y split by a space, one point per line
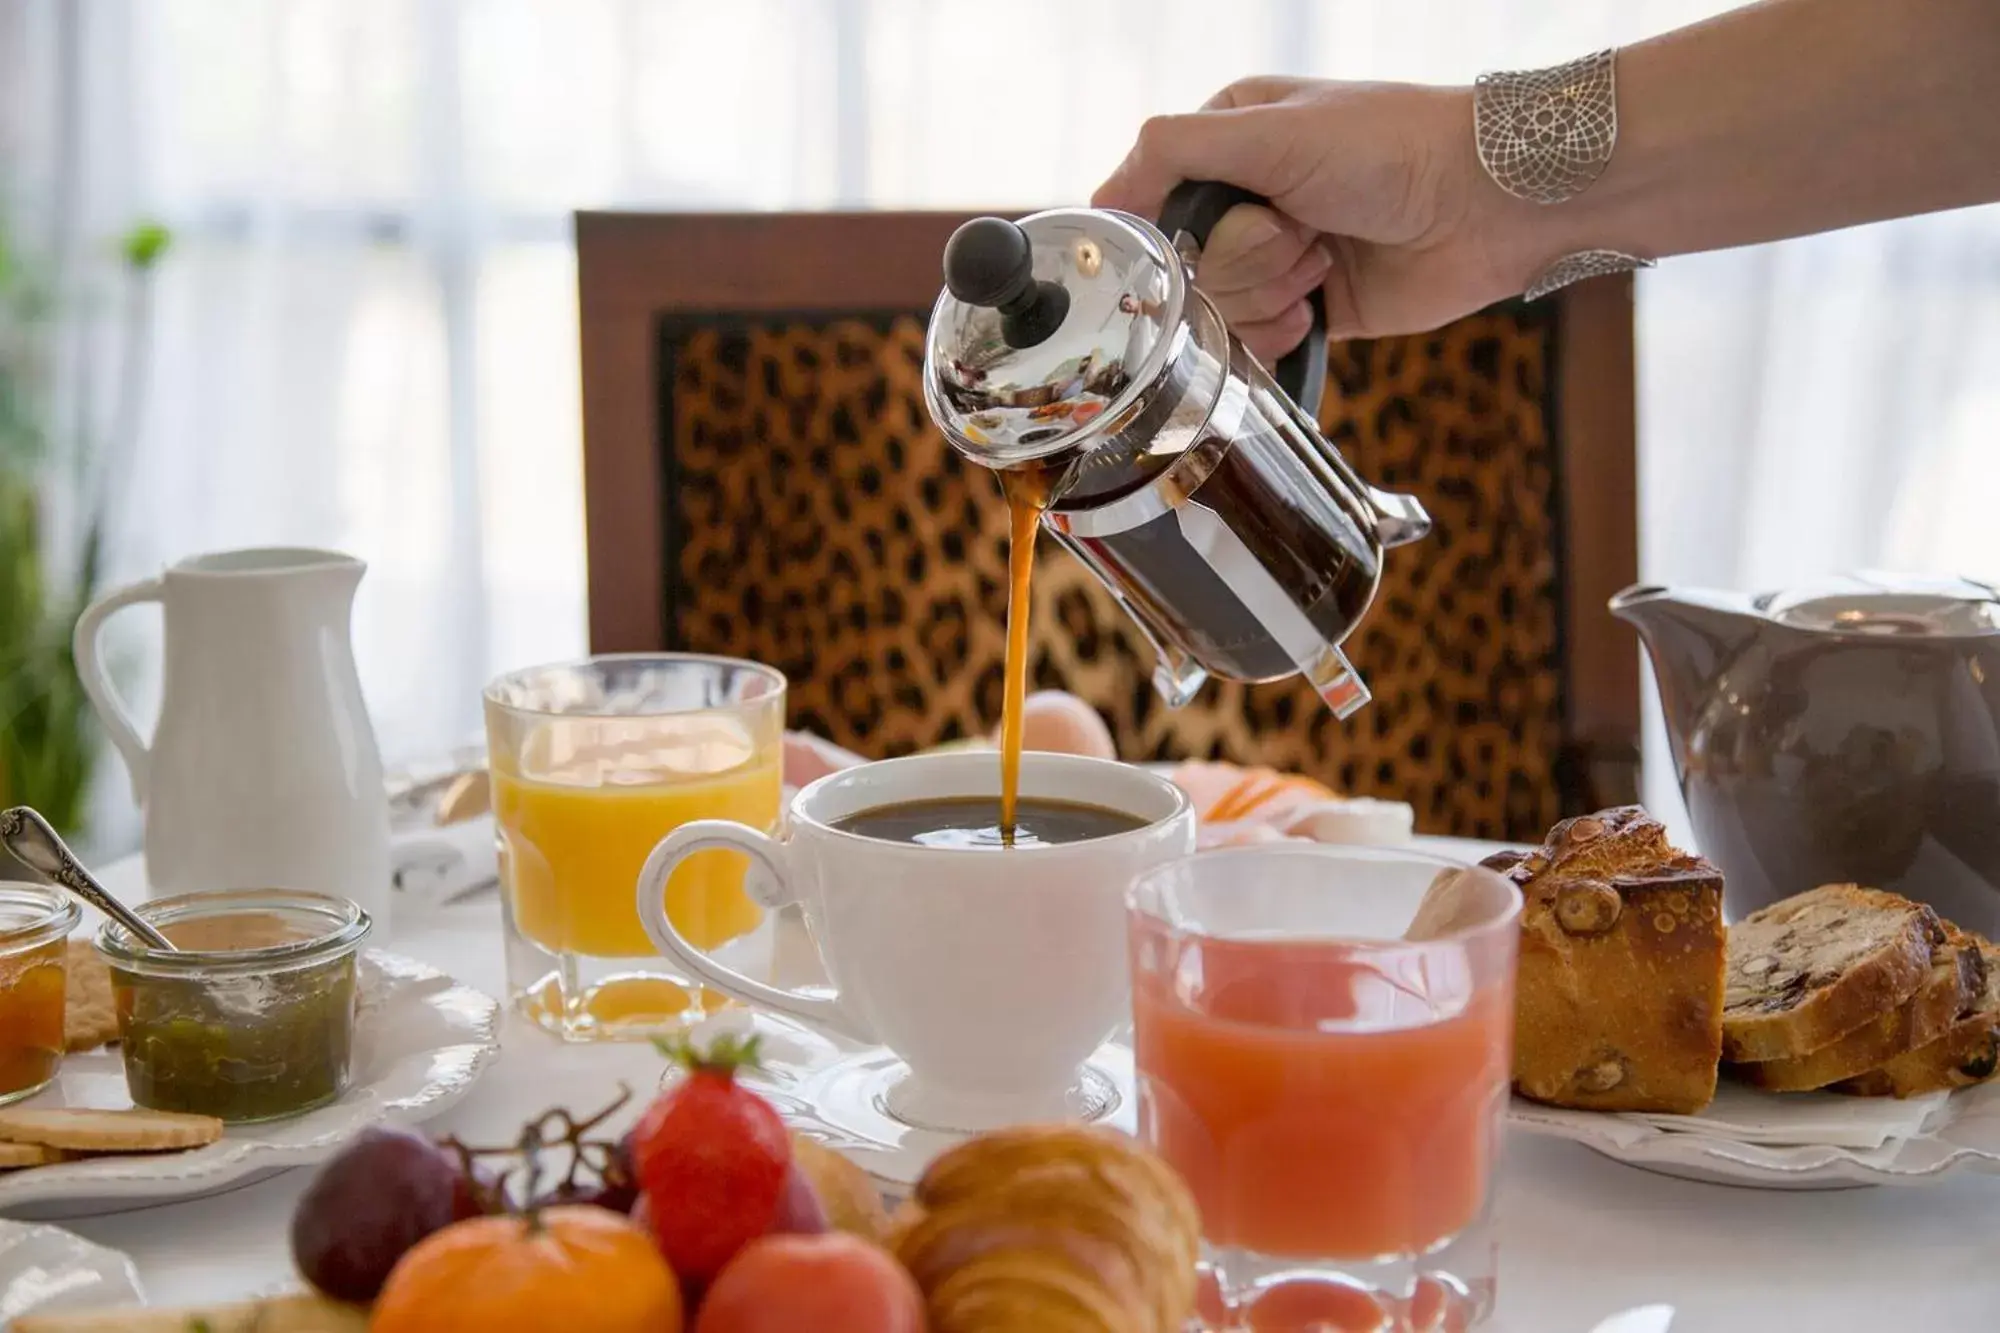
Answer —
1618 1000
1807 971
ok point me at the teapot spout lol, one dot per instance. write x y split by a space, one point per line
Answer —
1691 635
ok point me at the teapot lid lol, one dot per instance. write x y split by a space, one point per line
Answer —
1902 605
1048 328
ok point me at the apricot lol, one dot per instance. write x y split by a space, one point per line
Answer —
830 1283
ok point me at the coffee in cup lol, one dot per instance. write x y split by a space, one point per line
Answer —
992 972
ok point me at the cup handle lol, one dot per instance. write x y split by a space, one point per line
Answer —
97 684
768 883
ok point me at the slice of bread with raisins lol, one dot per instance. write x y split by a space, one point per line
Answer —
1803 973
1967 1053
1953 990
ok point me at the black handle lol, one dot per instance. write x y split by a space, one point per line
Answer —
990 262
1195 207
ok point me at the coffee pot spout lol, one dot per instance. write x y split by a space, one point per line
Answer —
1691 635
1399 519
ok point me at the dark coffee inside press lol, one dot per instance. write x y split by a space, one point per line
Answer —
1074 355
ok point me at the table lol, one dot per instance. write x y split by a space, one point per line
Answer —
1582 1237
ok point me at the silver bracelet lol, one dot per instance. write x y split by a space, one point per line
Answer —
1583 264
1546 136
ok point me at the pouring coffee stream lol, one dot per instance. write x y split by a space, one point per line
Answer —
1072 353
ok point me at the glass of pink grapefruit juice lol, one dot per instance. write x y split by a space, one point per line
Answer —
1323 1039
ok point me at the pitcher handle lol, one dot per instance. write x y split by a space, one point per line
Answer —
111 710
769 884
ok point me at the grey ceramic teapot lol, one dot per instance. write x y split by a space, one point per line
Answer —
1843 732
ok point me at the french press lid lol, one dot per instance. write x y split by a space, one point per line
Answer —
1052 330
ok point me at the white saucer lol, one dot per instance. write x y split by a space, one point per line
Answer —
841 1093
421 1039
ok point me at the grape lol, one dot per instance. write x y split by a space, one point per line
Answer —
474 1195
617 1189
380 1195
642 1214
618 1198
799 1210
621 1158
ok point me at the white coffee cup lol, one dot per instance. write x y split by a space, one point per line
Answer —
993 974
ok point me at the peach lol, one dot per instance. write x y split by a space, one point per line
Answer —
800 1212
1059 722
830 1283
846 1194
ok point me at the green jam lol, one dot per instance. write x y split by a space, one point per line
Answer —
239 1045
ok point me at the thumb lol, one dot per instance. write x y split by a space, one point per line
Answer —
1242 146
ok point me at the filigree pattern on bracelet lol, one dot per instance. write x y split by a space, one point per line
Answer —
1547 134
1583 264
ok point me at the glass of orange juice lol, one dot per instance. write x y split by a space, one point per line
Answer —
592 763
1324 1040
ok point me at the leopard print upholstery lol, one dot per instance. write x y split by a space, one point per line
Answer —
817 521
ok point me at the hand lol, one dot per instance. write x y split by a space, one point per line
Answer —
1378 194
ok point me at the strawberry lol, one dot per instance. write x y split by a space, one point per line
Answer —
712 1159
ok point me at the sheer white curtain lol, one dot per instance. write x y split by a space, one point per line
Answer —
367 326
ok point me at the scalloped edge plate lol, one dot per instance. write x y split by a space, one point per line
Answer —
423 1039
1965 1137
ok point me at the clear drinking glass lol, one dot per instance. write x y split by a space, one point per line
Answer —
1323 1038
592 763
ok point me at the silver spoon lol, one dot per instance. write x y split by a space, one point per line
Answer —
39 847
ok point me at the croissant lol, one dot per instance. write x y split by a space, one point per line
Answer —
1051 1229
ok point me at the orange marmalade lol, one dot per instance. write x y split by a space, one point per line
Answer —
34 923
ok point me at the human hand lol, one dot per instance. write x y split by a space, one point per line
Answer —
1377 196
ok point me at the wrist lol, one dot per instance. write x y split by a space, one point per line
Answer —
1491 241
1551 197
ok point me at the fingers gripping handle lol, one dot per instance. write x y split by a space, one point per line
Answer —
97 684
1195 207
768 882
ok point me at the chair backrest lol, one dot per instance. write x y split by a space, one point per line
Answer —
762 480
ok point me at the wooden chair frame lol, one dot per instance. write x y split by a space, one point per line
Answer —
634 270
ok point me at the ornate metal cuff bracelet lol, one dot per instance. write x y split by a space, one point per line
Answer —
1546 135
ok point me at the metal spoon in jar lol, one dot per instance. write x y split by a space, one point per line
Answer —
29 837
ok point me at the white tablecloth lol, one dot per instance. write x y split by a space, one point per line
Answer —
1581 1237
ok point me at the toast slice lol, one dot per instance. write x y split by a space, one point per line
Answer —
1967 1053
1807 971
1957 980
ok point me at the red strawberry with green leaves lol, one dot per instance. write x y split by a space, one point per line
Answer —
712 1159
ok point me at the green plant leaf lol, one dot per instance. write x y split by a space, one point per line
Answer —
143 245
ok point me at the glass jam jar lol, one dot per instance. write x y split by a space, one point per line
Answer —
253 1018
35 922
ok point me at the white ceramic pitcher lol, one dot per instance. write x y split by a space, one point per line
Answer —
263 770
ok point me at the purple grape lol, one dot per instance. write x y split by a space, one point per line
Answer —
616 1197
377 1197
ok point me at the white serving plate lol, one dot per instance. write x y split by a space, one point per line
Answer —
1964 1136
421 1040
44 1270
